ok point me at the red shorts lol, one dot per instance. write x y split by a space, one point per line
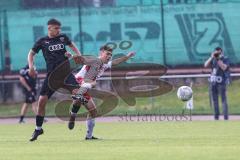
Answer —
80 82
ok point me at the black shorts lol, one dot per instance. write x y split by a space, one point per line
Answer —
46 90
68 83
30 97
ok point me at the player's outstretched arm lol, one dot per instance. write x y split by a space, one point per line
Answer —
123 59
75 49
30 62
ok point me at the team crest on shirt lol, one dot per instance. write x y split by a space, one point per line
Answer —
62 39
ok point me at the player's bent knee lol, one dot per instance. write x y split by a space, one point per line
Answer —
43 99
42 102
93 113
74 91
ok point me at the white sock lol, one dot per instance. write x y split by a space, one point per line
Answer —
73 114
90 123
38 128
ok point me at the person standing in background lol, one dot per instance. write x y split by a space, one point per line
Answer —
219 79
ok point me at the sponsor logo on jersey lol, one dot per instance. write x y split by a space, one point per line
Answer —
56 47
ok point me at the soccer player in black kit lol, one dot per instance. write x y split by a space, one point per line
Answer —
53 47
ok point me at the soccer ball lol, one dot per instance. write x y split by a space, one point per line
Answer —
184 93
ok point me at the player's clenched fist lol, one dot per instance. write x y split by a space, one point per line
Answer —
131 54
78 59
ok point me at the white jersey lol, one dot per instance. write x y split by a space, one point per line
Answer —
85 71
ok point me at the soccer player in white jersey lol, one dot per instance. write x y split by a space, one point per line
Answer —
86 78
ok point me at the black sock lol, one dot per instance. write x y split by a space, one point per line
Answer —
39 120
75 109
21 118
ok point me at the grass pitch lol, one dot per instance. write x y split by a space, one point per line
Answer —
208 140
165 104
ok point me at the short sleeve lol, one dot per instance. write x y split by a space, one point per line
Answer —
67 40
109 65
37 46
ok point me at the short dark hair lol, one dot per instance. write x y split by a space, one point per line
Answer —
53 21
106 48
218 49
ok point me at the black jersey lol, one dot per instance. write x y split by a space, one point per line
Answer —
30 80
53 50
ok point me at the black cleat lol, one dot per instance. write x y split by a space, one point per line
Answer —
80 98
92 138
71 122
35 134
